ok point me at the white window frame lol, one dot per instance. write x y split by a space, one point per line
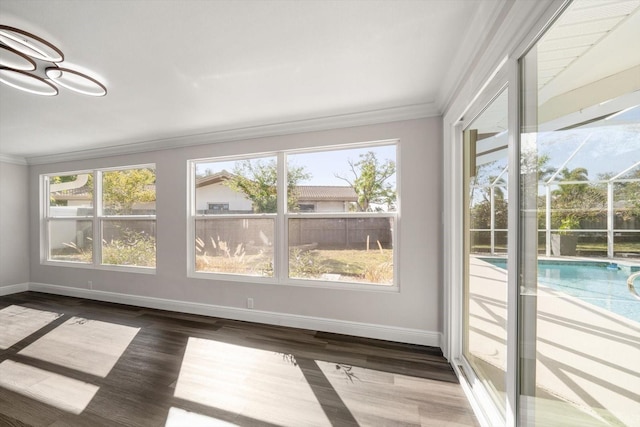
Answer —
97 218
280 241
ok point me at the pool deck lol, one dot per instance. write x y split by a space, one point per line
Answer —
587 367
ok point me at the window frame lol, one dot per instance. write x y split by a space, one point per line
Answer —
282 216
97 218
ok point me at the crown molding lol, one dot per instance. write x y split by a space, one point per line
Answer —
509 30
5 158
487 16
409 112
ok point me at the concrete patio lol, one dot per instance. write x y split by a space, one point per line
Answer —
587 371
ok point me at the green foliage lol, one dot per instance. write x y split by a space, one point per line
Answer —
62 178
573 203
481 214
570 222
122 189
629 194
134 248
258 181
370 181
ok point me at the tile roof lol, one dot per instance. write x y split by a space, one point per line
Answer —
325 192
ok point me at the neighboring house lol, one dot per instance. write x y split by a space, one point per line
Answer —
319 198
213 196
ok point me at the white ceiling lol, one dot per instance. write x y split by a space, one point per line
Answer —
179 68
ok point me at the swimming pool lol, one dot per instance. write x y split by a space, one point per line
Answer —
592 282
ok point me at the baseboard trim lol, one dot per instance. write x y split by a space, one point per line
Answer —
14 289
367 330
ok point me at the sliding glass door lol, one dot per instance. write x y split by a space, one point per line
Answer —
552 192
579 222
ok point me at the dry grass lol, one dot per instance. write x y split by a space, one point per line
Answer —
254 265
351 265
373 266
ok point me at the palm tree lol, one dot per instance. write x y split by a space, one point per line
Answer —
575 202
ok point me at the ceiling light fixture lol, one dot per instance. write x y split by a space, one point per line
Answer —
13 59
30 63
27 82
76 81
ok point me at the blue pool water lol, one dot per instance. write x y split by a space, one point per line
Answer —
592 282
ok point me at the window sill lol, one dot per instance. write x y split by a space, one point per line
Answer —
103 267
305 283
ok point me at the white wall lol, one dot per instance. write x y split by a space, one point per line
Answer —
415 307
335 206
14 224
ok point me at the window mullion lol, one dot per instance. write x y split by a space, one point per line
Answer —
97 217
45 223
280 236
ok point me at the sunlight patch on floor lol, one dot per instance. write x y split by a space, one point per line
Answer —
180 418
53 389
17 323
258 384
89 346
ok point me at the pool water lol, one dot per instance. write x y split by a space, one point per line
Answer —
592 282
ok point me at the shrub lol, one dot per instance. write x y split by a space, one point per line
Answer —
135 248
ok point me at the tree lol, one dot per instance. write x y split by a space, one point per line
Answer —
575 202
369 181
258 181
629 194
625 194
122 189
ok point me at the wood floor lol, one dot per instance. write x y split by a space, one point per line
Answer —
187 370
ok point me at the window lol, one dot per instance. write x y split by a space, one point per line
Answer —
121 231
306 207
336 223
70 218
235 237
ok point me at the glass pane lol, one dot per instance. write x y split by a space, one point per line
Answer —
485 282
579 326
71 195
129 192
71 240
129 242
351 180
342 249
235 246
237 186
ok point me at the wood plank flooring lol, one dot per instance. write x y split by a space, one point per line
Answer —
185 370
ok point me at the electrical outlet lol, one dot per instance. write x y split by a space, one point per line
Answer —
249 302
90 284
